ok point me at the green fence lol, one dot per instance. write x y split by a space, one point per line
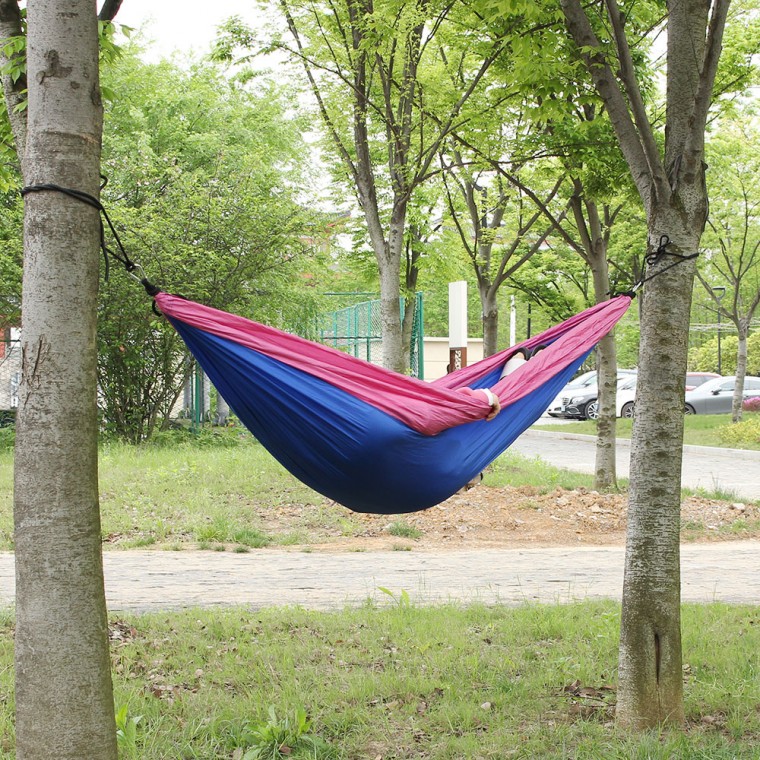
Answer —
357 330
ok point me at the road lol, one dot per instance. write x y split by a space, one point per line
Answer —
141 581
733 471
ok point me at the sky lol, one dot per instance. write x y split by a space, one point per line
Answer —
181 25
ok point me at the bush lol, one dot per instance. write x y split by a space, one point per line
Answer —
7 438
751 404
747 431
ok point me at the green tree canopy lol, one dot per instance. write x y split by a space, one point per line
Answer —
206 187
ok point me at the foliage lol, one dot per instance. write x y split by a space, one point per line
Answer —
403 529
11 258
450 681
730 266
204 188
751 404
284 737
7 438
126 732
704 358
741 433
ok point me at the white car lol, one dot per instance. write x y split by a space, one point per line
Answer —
626 394
578 400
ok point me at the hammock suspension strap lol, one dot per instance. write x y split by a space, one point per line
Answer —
133 269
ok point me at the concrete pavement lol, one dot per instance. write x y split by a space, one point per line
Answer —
155 580
735 471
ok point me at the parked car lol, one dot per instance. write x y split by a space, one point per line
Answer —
716 396
695 379
581 403
582 381
626 393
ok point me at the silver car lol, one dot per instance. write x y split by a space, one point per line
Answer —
715 396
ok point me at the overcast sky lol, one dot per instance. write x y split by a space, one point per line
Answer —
181 25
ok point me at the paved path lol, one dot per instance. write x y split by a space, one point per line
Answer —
734 471
155 580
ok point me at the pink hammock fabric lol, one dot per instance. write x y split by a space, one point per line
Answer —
425 407
371 439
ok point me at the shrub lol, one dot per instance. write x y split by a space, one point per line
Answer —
7 438
751 404
747 431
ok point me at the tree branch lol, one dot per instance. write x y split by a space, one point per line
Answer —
647 170
703 97
109 10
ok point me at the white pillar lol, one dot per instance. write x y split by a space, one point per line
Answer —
457 325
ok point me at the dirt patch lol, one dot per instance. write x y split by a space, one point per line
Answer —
488 517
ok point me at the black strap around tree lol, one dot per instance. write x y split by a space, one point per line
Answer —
652 259
121 254
132 267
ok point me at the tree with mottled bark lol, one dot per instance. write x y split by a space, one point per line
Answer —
64 701
671 183
376 72
731 272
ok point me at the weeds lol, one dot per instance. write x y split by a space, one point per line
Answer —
126 732
403 529
284 737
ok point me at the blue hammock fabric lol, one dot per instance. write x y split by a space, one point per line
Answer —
373 440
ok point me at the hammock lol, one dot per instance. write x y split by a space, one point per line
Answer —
371 439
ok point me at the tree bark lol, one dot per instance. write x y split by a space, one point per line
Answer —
651 679
64 702
742 329
222 414
490 320
674 195
594 251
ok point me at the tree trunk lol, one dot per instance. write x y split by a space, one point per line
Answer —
605 474
389 266
651 679
742 328
64 701
605 468
490 319
222 413
673 191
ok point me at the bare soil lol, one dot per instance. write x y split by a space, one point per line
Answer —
487 517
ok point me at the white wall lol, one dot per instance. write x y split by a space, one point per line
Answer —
437 355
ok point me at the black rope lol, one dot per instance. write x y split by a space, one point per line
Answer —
120 254
654 258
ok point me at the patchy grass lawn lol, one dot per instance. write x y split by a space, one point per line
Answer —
230 494
402 682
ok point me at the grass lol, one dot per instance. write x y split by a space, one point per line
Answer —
699 430
401 681
511 469
239 498
210 496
